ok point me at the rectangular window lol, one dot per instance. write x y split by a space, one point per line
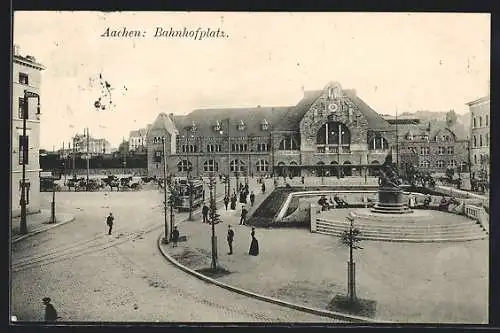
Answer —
158 156
441 150
21 110
23 78
424 150
450 151
23 149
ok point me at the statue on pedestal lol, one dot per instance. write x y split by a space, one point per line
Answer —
388 176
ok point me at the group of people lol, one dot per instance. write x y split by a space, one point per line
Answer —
254 244
336 202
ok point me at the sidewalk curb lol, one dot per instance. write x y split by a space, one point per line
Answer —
320 312
36 232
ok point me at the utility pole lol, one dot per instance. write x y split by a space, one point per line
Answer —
228 159
188 175
397 141
469 162
88 157
74 156
167 237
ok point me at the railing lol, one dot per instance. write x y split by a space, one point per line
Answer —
478 214
333 149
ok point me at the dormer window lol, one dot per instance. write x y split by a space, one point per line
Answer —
193 127
217 126
241 126
264 125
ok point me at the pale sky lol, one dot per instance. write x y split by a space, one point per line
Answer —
409 62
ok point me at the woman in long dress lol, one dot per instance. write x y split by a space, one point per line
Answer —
254 245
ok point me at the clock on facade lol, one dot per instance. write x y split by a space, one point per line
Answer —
332 107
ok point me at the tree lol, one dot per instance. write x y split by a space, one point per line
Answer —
123 148
450 172
351 239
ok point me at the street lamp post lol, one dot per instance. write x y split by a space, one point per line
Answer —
53 203
167 237
189 129
213 218
27 96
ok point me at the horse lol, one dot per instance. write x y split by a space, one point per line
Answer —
111 181
125 182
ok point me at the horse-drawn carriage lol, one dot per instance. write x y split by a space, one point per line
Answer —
81 184
123 183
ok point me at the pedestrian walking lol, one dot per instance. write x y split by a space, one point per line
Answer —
244 213
302 180
254 245
226 201
204 212
252 198
230 238
109 221
50 311
233 202
175 236
263 187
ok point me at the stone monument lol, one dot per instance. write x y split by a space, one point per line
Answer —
390 194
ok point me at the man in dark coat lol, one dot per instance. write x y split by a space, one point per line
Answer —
263 187
230 238
204 212
252 198
50 311
233 202
226 201
175 236
109 222
244 213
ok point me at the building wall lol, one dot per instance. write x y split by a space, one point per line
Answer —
481 132
33 133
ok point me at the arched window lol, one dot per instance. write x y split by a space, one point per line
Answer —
334 163
333 133
237 166
289 142
480 121
377 142
184 165
475 159
262 165
375 162
480 140
211 165
474 122
475 141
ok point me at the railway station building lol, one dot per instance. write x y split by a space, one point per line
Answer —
329 132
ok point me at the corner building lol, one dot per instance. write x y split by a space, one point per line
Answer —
26 76
330 132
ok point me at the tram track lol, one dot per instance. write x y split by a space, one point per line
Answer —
89 245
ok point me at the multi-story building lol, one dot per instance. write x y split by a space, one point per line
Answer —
26 76
137 139
480 135
430 146
92 146
331 131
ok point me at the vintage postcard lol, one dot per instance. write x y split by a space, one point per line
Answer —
238 167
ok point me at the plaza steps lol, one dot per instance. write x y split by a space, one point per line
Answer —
399 232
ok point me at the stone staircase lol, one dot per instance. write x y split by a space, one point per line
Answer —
406 232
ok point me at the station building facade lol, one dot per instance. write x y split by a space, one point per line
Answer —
480 135
330 132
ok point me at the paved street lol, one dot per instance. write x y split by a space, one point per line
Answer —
91 276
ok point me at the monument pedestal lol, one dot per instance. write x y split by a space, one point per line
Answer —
390 201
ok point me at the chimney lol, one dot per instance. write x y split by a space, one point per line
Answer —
17 50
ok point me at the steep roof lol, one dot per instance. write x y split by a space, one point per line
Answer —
375 120
205 120
163 122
